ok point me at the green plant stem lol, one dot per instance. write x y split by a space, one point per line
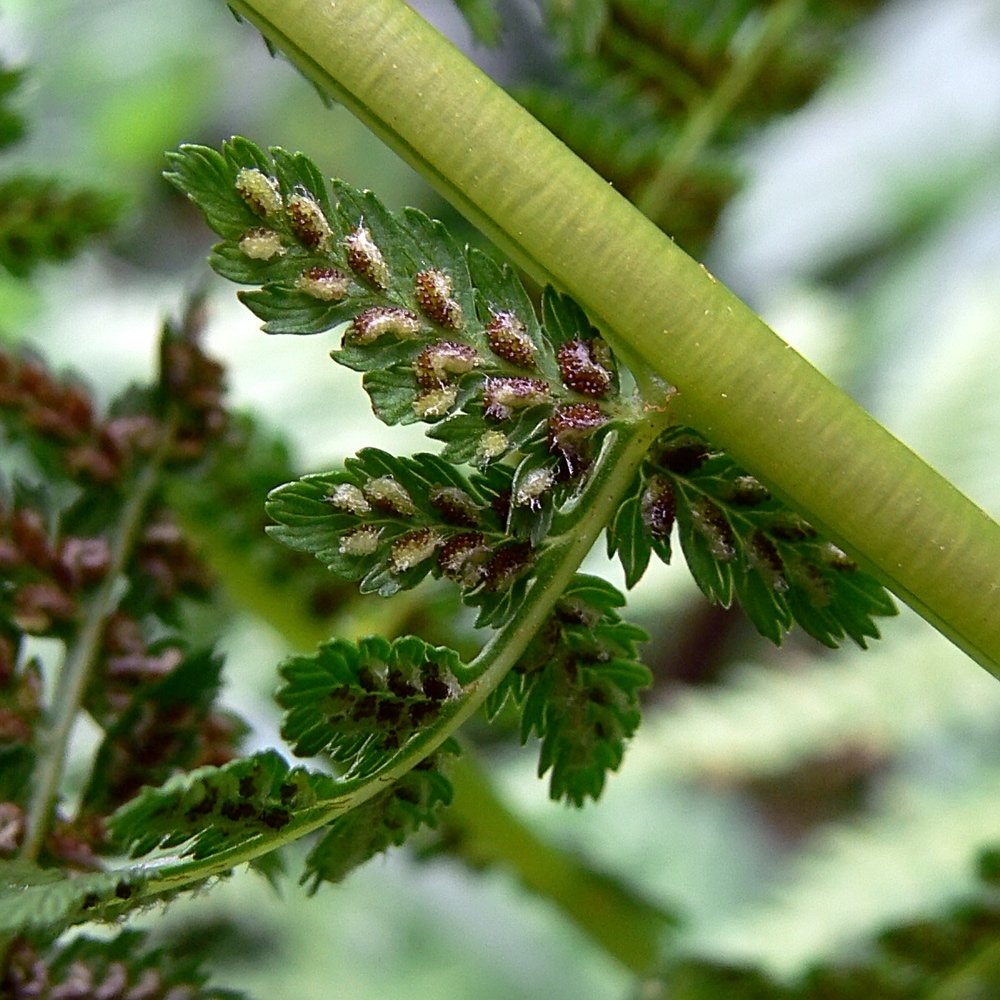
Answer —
611 476
487 833
82 654
738 383
655 195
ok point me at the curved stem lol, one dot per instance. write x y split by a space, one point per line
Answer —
738 383
612 475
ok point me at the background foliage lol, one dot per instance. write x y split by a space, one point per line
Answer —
787 803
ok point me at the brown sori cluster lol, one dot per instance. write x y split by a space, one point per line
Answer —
658 507
504 395
166 560
684 455
455 506
28 976
92 450
365 258
437 362
370 324
570 428
508 339
391 705
764 556
61 413
259 190
45 576
413 548
508 563
328 284
716 530
196 388
433 290
582 364
463 558
308 222
747 491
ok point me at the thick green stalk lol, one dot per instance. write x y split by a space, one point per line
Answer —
739 384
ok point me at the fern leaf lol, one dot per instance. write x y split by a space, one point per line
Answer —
689 81
37 899
443 334
123 965
741 542
40 221
449 337
390 521
577 685
384 820
204 812
361 702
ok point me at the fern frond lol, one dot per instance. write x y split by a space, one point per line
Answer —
447 336
390 521
765 721
444 335
384 820
708 74
36 900
577 685
203 812
122 966
40 221
739 541
360 702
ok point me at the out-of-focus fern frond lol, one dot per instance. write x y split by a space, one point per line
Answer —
11 123
851 881
766 720
702 75
483 18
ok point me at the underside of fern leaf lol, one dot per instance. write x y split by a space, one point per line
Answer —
533 401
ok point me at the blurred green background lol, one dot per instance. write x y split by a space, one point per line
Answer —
787 803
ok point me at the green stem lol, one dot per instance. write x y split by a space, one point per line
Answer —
738 383
612 474
656 194
487 833
482 828
82 654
